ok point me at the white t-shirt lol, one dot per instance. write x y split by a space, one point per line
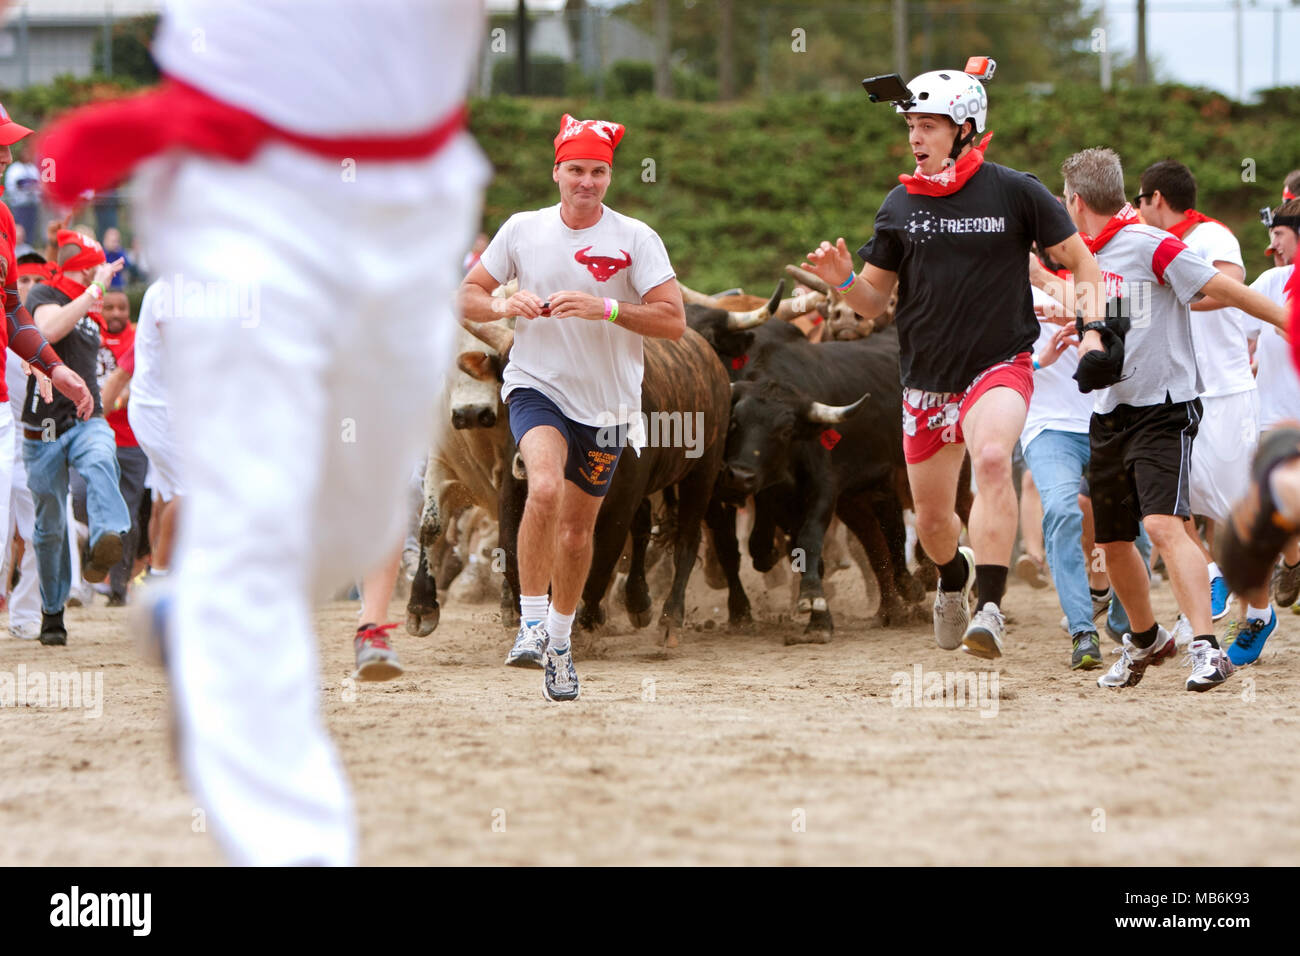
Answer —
1222 354
1057 403
1279 386
148 384
590 369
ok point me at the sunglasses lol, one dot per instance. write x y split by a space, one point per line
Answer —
1137 200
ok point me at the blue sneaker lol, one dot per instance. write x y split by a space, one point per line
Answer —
1250 640
1218 597
560 680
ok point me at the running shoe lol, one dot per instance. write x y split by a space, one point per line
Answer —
1031 571
376 660
1134 661
101 558
529 646
1286 584
559 678
1219 594
1087 652
1210 666
952 611
1250 640
25 632
1183 632
984 636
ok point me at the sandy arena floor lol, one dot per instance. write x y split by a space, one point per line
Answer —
733 749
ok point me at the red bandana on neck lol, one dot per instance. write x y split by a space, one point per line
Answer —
69 287
952 178
1190 218
1127 216
1292 289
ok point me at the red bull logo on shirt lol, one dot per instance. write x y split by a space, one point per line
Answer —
602 268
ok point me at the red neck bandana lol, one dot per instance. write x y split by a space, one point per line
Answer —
1293 328
68 286
1287 195
952 178
1190 218
1127 216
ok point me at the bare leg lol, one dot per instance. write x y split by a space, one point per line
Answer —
168 515
1187 568
1098 579
576 524
934 493
377 588
543 449
992 428
1128 575
1031 519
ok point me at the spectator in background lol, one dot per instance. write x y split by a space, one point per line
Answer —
116 363
21 246
22 187
472 257
112 252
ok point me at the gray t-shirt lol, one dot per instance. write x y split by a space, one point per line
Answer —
1159 276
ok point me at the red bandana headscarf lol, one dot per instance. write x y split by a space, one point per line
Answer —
951 178
89 254
587 139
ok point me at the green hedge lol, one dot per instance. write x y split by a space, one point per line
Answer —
736 191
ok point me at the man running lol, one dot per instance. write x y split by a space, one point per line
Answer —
955 236
592 283
1146 413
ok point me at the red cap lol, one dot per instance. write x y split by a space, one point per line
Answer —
10 132
90 253
587 139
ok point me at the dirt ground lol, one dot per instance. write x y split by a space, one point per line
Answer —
732 749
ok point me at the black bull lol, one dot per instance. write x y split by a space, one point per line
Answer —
685 386
802 470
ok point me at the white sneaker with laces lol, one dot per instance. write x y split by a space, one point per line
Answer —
1134 661
952 611
529 646
1183 632
1210 666
984 636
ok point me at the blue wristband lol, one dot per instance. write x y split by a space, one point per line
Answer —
1036 365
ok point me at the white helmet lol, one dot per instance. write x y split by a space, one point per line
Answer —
953 93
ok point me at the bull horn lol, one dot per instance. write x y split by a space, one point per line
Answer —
833 414
494 336
798 305
748 320
810 280
691 297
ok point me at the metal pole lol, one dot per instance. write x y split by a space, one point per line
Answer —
521 26
900 37
108 40
1277 46
24 53
1241 84
764 53
1141 64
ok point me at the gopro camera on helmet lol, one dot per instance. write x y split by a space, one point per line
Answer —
889 87
981 67
1266 216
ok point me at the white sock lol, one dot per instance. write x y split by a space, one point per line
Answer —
559 627
532 608
1214 571
158 572
1259 614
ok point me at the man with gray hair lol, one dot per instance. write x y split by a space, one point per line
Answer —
1143 363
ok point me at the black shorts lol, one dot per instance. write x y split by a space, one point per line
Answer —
592 457
1141 465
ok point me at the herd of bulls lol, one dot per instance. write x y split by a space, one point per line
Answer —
808 431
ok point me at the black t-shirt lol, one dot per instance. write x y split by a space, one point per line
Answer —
79 350
963 272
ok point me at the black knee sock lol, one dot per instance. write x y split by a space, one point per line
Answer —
1102 593
1214 641
952 576
990 583
1145 638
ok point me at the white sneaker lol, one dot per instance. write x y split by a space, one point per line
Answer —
1183 632
984 636
26 632
952 611
1134 661
529 646
1210 665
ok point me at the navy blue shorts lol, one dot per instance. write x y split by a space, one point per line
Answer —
591 463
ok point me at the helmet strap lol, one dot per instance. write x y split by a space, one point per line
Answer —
960 142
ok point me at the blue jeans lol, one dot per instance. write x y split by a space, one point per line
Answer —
90 448
1058 460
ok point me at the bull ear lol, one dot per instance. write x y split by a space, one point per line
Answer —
832 414
480 365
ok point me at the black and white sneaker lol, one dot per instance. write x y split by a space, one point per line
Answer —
560 678
1134 661
1210 665
952 611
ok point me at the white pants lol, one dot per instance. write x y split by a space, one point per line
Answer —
151 426
298 403
25 599
7 456
1222 452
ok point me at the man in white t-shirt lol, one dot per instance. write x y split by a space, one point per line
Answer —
1229 429
592 282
